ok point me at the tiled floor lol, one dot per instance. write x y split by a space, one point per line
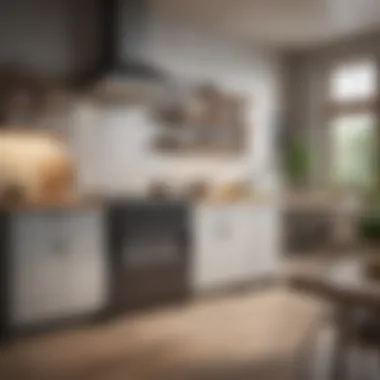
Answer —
255 335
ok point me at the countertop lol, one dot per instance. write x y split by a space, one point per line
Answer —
98 201
61 205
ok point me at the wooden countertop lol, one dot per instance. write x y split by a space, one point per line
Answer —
93 202
62 205
233 202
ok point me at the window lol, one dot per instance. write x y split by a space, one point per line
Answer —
353 82
352 124
353 150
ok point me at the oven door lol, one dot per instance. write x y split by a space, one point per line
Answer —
149 258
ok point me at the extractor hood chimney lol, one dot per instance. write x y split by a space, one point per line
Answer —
122 73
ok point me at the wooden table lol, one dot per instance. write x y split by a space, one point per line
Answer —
348 288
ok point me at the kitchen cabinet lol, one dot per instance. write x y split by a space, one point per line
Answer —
234 244
85 286
210 254
36 275
57 266
265 241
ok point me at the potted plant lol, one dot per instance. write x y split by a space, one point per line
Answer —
297 162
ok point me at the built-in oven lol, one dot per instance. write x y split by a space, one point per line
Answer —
149 249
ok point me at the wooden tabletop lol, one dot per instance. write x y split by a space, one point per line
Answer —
344 283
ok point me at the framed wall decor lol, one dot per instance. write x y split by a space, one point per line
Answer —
208 121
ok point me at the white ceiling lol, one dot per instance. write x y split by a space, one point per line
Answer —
279 23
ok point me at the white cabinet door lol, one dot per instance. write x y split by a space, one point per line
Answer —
58 266
218 247
233 244
85 284
245 243
37 273
205 247
266 252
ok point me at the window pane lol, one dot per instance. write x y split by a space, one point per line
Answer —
355 81
353 150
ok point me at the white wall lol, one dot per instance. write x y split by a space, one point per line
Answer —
118 140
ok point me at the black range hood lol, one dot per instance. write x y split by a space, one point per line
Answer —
122 72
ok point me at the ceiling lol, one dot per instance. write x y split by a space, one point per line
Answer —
279 23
